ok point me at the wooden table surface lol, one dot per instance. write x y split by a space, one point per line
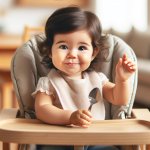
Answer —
105 132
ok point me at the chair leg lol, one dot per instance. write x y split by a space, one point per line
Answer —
78 147
1 97
148 147
145 147
13 146
7 95
5 146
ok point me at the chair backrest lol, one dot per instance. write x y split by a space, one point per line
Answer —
26 68
31 31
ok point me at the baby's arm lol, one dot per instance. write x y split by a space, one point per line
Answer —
119 92
48 113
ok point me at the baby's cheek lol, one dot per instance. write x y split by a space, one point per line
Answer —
85 64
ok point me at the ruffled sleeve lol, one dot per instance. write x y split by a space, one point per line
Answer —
103 78
43 86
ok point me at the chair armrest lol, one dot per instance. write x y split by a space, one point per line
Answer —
142 114
8 113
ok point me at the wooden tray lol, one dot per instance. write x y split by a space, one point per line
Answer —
120 132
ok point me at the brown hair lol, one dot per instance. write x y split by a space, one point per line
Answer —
67 20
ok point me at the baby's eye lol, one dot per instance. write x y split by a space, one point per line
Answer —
82 48
63 47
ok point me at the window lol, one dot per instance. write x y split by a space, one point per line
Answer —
122 15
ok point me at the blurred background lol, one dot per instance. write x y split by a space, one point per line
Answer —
128 19
120 15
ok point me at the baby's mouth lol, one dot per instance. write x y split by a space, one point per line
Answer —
71 62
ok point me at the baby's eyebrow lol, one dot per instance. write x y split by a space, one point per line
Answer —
84 43
60 42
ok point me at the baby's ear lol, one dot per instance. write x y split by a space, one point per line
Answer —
95 52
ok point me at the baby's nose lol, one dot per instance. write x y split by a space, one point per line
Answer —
72 54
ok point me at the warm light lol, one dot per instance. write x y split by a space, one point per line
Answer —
122 15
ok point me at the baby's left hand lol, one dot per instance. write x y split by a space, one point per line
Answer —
125 68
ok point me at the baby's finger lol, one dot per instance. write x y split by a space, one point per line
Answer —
85 126
124 57
127 61
132 68
88 113
86 117
130 64
84 123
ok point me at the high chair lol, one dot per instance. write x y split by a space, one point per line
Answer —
20 126
31 31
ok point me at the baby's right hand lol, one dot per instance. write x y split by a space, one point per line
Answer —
81 118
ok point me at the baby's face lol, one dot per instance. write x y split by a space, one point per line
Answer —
72 52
